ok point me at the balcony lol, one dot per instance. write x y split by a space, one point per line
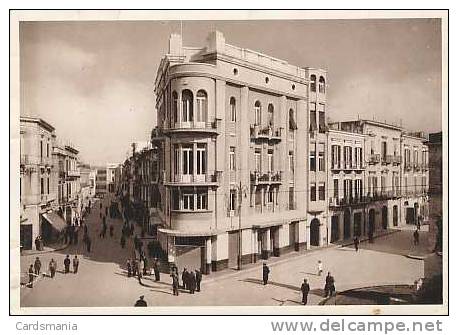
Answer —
211 128
396 160
27 160
73 173
424 167
388 159
347 201
267 133
271 177
196 180
417 167
374 159
408 166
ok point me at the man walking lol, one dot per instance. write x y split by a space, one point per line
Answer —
141 266
37 266
185 279
329 287
192 282
31 275
356 243
157 274
76 263
265 273
320 267
305 289
67 264
416 237
175 283
52 267
198 279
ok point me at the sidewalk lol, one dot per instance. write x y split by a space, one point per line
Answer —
45 250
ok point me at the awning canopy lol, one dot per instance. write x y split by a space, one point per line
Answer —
55 220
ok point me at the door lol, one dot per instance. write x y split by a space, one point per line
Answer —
371 221
315 232
334 228
26 236
347 224
233 248
385 217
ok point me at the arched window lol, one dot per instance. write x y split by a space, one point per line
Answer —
175 106
270 114
313 83
321 85
257 113
233 109
187 106
201 106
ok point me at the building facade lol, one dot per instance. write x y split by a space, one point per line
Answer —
244 165
38 176
435 174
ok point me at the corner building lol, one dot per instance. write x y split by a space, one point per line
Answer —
233 135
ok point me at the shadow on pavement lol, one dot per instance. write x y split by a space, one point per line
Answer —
260 282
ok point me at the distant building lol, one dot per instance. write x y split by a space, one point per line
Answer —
101 182
111 169
435 174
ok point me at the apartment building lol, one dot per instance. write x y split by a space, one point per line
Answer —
232 136
38 176
435 174
101 182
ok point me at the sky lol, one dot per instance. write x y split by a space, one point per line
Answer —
94 81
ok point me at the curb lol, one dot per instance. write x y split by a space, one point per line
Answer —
45 251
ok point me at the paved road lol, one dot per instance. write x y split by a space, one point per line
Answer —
102 280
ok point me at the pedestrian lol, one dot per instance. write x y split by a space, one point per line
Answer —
141 302
134 267
175 282
88 244
416 237
157 274
52 267
76 263
37 266
320 268
141 266
265 273
198 279
145 265
111 231
129 269
305 289
329 287
123 241
356 243
31 275
192 282
184 278
67 264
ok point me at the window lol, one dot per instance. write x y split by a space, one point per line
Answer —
322 85
321 161
175 106
232 159
358 189
358 157
383 184
384 150
270 196
313 192
42 188
336 188
201 199
321 191
201 159
313 83
202 107
177 160
347 188
257 160
258 198
47 149
292 120
187 106
336 156
321 119
312 157
176 199
233 200
233 109
41 148
291 162
270 115
270 161
291 198
257 113
47 188
188 164
312 116
188 201
406 157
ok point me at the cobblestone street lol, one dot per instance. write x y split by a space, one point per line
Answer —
102 279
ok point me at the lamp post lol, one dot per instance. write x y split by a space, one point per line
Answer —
240 190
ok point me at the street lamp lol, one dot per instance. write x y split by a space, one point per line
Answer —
241 190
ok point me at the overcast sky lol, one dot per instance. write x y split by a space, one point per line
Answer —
94 80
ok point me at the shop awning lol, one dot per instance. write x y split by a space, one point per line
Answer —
179 233
55 220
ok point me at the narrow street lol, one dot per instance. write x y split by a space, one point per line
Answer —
102 279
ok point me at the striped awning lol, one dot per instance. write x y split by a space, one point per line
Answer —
55 220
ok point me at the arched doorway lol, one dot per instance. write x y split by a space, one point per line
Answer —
371 222
315 232
395 215
347 224
385 217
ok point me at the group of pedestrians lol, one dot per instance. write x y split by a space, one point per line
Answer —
35 268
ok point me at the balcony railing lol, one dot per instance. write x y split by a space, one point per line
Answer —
213 178
374 159
267 133
396 160
408 166
387 159
36 160
210 127
73 173
272 177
